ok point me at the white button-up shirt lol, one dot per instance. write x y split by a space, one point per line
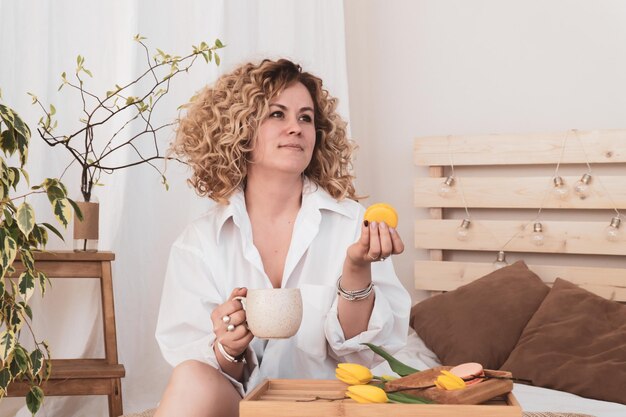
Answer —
216 254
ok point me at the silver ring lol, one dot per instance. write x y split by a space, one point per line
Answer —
230 327
226 319
372 258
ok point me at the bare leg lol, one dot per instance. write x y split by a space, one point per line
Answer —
196 389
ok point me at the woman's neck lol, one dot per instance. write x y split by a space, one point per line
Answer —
273 196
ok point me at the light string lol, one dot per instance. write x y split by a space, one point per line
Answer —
455 178
537 226
606 191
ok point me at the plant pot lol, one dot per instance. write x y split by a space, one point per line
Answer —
86 230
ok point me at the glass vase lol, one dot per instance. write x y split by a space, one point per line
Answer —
86 231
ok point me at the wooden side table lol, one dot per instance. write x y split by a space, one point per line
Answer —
100 376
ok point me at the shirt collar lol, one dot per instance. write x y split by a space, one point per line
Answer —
321 199
313 197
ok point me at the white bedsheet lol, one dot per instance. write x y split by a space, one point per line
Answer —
417 355
544 399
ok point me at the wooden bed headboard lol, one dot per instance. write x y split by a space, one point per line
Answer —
505 184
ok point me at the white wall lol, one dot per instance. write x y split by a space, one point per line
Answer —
439 67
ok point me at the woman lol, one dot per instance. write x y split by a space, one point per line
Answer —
265 142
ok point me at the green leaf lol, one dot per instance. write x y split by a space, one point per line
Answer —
5 378
13 120
15 174
217 59
402 397
25 218
219 43
27 309
27 258
40 234
26 284
25 175
54 192
23 361
8 143
34 399
396 366
62 211
7 344
14 369
54 230
43 280
36 358
9 251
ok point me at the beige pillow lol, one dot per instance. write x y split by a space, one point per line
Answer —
481 321
575 342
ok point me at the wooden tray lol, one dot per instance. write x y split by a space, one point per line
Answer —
476 393
292 397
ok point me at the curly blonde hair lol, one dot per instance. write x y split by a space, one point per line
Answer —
218 133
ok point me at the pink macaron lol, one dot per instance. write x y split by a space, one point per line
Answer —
469 372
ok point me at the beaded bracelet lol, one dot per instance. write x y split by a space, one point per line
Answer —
233 359
354 295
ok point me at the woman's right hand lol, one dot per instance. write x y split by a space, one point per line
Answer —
235 342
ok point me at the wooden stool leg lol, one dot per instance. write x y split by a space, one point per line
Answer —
115 399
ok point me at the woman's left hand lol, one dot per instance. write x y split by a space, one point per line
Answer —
377 242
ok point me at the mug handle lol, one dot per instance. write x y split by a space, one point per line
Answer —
242 300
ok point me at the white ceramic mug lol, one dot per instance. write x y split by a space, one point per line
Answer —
273 313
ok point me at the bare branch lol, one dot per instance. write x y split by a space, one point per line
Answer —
161 70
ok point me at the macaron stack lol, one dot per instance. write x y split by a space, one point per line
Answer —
471 372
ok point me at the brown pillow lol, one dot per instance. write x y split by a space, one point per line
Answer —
481 321
575 342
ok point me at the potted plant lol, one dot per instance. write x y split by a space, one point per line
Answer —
129 108
20 237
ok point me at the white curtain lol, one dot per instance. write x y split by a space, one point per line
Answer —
139 219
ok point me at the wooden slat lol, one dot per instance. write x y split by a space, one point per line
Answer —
491 235
598 146
74 256
85 368
352 409
62 269
606 192
97 386
446 276
76 377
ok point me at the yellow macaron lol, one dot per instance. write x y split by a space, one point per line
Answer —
382 212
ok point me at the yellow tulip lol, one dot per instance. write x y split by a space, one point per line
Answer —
353 374
366 394
449 381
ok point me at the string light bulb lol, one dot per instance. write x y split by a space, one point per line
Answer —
462 232
537 236
561 190
612 231
582 187
500 261
447 188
